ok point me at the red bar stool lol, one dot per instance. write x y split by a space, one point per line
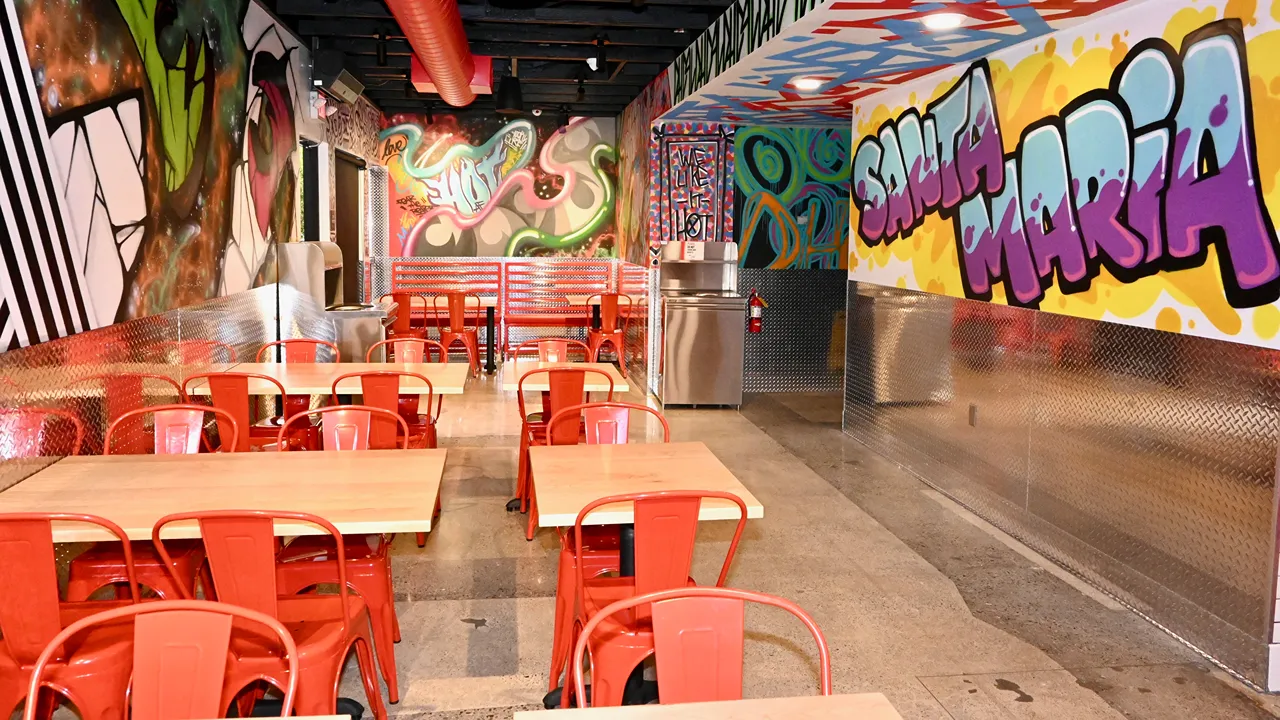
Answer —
704 671
178 430
242 555
666 525
453 327
604 423
567 387
229 391
94 670
307 562
613 328
164 635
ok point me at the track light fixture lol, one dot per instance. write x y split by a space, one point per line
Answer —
601 57
382 49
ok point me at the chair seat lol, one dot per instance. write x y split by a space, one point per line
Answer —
314 621
317 548
144 554
600 592
114 639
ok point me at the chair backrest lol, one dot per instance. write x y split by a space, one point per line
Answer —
697 641
552 349
297 350
123 392
404 310
451 315
179 428
241 548
345 427
229 391
407 350
29 432
381 389
609 315
567 387
29 613
666 525
179 657
607 423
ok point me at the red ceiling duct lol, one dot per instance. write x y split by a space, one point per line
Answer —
434 31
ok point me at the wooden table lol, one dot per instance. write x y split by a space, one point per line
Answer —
317 378
513 369
362 491
867 706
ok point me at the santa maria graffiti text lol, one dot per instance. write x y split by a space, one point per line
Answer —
1138 178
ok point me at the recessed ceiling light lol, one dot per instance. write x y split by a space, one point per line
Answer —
808 83
943 21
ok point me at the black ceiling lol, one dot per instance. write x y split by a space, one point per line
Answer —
549 42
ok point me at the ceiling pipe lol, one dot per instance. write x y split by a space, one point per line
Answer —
434 31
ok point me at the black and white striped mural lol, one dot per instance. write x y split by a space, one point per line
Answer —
40 277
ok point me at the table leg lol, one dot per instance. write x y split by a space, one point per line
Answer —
489 367
627 551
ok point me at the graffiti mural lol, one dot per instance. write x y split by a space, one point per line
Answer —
1128 183
523 188
791 200
173 129
692 169
635 125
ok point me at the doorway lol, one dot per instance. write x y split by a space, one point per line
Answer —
347 211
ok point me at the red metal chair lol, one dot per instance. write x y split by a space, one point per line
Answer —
242 555
94 671
613 327
453 327
123 392
666 524
552 349
407 350
307 561
567 387
186 639
29 432
345 427
704 669
178 431
604 423
197 351
298 350
229 391
402 327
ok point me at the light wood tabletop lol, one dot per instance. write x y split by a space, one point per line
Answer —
567 477
317 378
865 706
362 491
513 369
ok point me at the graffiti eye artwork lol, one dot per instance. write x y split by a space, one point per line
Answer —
520 190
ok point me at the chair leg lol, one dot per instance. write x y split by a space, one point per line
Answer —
611 666
364 657
382 613
533 514
561 648
422 539
522 470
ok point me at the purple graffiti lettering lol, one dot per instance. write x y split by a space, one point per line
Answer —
1145 203
869 194
1048 216
950 115
988 247
979 149
1098 140
919 142
893 172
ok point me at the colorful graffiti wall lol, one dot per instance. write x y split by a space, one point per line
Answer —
487 187
791 202
691 165
172 133
635 127
1115 171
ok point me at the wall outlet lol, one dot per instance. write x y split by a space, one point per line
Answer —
973 415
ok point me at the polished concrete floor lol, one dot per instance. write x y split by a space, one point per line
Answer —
918 599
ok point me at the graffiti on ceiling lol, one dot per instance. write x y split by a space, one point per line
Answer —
857 47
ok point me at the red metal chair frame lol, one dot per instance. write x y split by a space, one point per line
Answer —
453 326
229 390
583 409
718 610
151 409
93 675
611 331
541 344
338 409
242 556
381 389
666 527
403 326
299 350
163 634
19 423
563 393
389 346
186 348
123 392
534 291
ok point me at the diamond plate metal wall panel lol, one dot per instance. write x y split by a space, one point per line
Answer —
799 349
1143 461
377 224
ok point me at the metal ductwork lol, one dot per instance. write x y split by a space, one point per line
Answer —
434 31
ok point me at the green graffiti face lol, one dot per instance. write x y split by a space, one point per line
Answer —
180 44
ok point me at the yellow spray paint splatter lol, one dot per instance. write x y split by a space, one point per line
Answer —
1266 321
1246 10
1169 320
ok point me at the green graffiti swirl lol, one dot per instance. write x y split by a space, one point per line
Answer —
530 238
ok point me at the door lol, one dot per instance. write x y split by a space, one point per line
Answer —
347 208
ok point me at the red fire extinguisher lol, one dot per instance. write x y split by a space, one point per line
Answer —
756 306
